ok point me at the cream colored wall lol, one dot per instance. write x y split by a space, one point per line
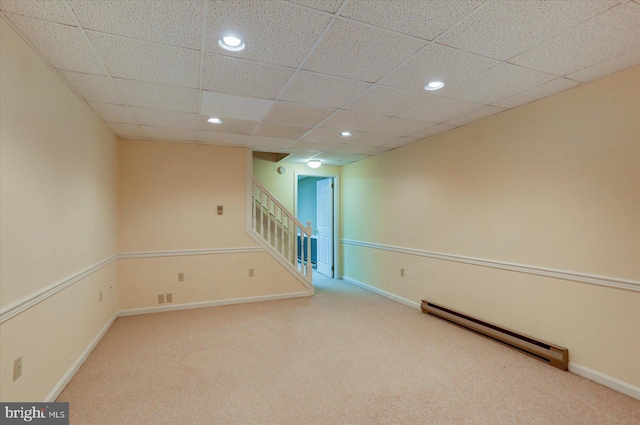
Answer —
282 185
169 193
58 216
552 184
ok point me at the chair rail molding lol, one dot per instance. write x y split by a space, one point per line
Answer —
611 282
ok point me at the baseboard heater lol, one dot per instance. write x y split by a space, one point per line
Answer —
541 350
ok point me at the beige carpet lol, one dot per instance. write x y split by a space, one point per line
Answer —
345 356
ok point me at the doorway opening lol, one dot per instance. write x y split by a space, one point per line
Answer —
316 200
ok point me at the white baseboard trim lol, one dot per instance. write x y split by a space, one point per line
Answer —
600 378
381 292
607 381
189 306
66 378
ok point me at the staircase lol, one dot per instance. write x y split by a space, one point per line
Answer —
281 234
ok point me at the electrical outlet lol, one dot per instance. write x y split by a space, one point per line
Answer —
169 298
250 272
180 277
17 368
161 299
401 272
100 296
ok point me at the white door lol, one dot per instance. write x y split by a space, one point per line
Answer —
325 226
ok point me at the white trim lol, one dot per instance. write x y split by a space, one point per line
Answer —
382 292
612 282
29 301
607 381
600 378
215 303
182 252
288 266
66 378
336 209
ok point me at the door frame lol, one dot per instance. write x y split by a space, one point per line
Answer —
336 210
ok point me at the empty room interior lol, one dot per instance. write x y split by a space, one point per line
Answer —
218 211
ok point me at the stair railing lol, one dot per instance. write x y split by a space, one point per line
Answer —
282 231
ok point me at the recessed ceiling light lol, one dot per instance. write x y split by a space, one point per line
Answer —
314 163
345 134
434 85
214 120
231 43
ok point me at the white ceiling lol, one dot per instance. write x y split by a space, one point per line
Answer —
152 69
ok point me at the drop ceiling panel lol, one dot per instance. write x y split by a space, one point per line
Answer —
228 125
63 46
141 60
505 80
421 18
294 113
527 23
274 32
386 101
608 67
321 90
439 109
438 63
127 131
169 134
48 10
273 129
244 78
227 139
93 87
360 52
158 63
400 127
326 135
162 118
538 92
330 6
371 139
114 113
231 106
610 34
353 121
476 114
144 19
268 143
352 149
159 96
304 149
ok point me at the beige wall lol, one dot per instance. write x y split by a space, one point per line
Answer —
58 216
282 185
552 184
169 193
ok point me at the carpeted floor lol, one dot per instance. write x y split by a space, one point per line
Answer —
344 356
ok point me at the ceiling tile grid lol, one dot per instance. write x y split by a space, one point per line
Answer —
153 69
359 52
528 23
275 33
146 20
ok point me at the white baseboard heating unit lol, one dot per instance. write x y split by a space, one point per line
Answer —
541 350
